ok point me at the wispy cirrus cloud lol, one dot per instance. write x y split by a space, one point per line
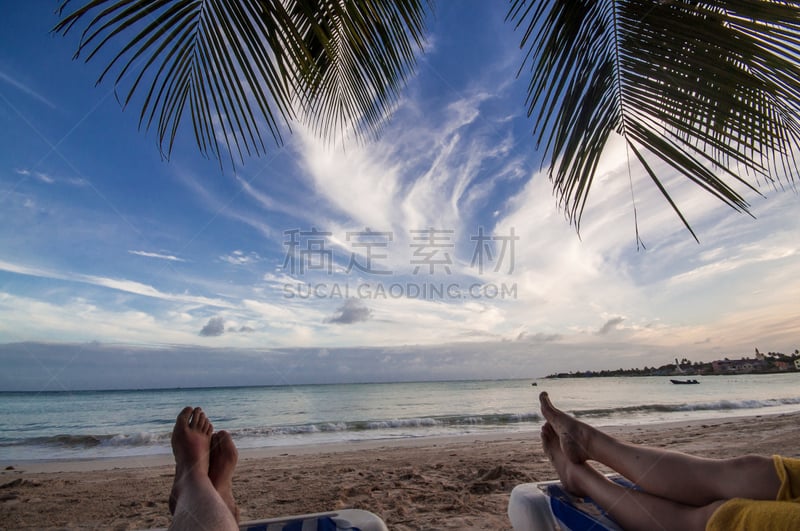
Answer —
412 178
48 178
220 205
43 177
26 89
430 170
160 256
128 286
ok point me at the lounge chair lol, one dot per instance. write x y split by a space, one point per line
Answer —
344 520
547 506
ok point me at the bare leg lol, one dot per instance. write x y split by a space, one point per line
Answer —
673 475
195 502
633 510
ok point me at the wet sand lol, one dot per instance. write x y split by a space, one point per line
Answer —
433 483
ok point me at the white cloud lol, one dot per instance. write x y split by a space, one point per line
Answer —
265 200
78 319
168 257
47 178
275 314
238 258
26 89
425 172
44 177
279 278
128 286
219 206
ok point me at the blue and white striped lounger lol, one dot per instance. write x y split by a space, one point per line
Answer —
344 520
547 506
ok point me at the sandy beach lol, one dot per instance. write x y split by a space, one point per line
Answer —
431 483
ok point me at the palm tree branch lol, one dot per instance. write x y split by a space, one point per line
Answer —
661 188
363 56
236 66
709 89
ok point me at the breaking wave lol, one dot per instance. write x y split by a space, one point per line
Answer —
151 439
715 405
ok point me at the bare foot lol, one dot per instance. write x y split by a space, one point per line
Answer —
221 467
574 435
568 471
191 443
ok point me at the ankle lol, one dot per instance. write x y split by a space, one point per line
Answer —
574 478
192 475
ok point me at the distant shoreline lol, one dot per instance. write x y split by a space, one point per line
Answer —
616 374
770 363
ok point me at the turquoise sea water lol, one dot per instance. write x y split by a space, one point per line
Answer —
89 424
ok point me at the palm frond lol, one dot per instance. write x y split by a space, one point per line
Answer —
238 67
711 89
363 53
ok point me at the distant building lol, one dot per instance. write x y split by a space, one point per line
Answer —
743 365
797 364
782 365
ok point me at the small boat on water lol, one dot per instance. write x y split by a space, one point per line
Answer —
684 382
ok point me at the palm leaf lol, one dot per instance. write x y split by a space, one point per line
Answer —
238 67
363 53
711 89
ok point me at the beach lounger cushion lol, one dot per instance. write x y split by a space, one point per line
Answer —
547 506
344 520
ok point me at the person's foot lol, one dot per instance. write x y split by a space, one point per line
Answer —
574 435
191 443
221 467
568 472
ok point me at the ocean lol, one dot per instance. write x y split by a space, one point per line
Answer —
97 424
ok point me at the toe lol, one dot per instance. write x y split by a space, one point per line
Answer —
546 406
197 418
184 416
544 400
225 442
204 423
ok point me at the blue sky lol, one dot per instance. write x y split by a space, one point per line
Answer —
107 251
